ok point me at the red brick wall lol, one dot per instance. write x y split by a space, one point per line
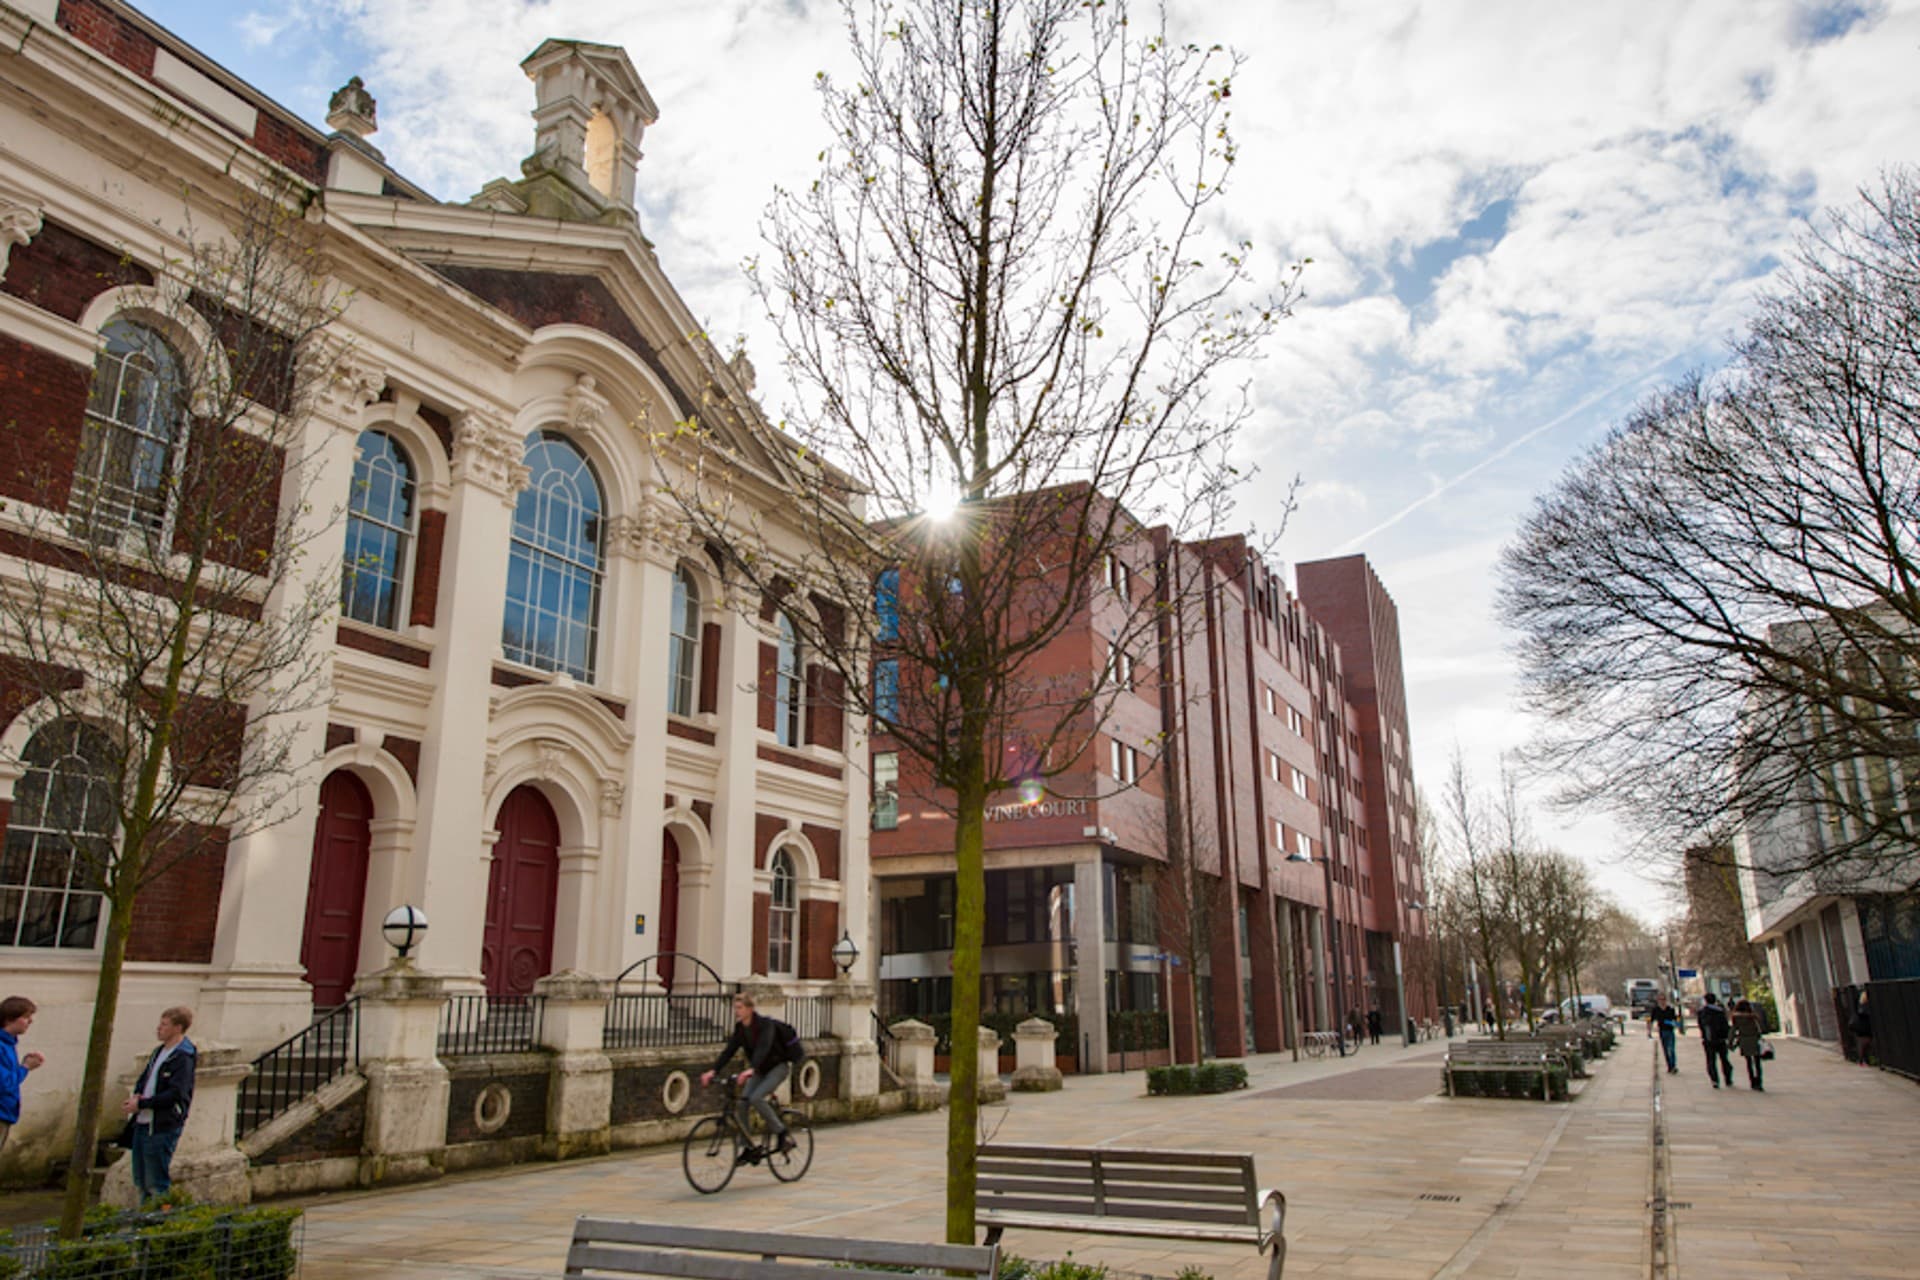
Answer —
826 845
426 568
61 271
407 752
42 399
278 140
710 667
230 496
92 23
826 715
441 426
762 905
175 915
208 735
21 682
819 930
766 829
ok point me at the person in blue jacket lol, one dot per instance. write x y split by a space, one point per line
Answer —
157 1108
16 1015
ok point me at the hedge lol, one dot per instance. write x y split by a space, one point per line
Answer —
1208 1077
205 1242
1506 1084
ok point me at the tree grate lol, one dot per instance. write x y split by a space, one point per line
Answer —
1439 1196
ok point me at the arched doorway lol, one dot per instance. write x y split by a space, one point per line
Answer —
517 949
669 906
337 888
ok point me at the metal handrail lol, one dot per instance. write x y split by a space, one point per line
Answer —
472 1025
298 1066
676 956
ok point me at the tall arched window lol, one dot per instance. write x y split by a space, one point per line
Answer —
783 916
555 569
59 839
683 659
135 406
789 680
379 527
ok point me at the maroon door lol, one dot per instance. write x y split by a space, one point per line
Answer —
669 907
517 950
337 888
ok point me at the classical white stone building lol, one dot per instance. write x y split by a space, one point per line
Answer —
551 726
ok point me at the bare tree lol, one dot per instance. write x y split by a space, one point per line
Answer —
172 634
1713 930
1468 883
1571 912
1522 890
1005 294
1719 606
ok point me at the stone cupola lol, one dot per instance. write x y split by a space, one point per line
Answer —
590 111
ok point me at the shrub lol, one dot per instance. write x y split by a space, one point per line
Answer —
1191 1272
204 1242
1208 1077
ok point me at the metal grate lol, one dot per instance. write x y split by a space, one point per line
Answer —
811 1016
657 1020
298 1066
1439 1196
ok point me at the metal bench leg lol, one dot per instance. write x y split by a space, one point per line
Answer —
1279 1259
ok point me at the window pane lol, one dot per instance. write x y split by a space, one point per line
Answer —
555 571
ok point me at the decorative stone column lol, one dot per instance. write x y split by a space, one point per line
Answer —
407 1088
853 1028
991 1087
207 1166
573 1020
1034 1069
1090 961
916 1040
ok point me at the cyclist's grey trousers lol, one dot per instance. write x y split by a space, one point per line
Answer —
759 1096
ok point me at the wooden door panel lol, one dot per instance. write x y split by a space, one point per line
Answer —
337 888
517 948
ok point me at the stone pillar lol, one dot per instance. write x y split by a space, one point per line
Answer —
915 1068
853 1028
448 873
991 1087
207 1166
256 995
650 542
1322 961
1289 978
1090 968
1033 1051
573 1022
407 1088
727 905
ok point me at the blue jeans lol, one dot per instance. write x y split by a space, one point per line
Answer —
1666 1046
153 1159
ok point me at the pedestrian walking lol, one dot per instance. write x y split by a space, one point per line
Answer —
1746 1034
1486 1016
16 1015
1863 1030
1664 1016
1716 1033
157 1108
1373 1025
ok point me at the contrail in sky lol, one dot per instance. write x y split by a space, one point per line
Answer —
1501 452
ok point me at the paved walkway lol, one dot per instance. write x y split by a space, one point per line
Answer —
1385 1179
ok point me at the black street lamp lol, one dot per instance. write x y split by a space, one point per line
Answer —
403 928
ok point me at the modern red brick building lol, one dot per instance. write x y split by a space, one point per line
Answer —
1227 819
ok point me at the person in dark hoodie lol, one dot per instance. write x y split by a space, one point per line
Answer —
771 1048
1716 1033
157 1108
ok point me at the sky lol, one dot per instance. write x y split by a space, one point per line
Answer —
1522 217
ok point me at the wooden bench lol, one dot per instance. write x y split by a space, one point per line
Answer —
1170 1195
610 1247
1530 1056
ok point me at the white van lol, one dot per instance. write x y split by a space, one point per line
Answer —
1597 1005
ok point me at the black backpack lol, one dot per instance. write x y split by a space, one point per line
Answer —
791 1047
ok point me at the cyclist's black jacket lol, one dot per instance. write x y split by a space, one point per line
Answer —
765 1041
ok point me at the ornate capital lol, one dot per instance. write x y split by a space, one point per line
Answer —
19 223
657 534
487 453
587 409
345 380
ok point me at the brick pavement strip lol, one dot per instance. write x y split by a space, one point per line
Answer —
1819 1176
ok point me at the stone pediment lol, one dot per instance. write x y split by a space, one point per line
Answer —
614 70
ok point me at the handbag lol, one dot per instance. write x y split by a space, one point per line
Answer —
1766 1052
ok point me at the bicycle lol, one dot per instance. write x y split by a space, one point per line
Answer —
717 1145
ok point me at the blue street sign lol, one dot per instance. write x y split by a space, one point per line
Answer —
1689 973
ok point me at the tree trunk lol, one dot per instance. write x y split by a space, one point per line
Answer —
969 933
93 1080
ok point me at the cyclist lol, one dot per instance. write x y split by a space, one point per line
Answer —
773 1049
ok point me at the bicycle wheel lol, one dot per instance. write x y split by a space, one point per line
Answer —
710 1155
791 1166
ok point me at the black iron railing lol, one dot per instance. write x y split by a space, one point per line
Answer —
471 1025
888 1044
1893 1011
811 1016
656 1020
298 1066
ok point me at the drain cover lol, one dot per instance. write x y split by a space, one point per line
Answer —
1440 1196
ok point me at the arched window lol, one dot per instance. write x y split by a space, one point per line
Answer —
683 658
135 405
59 839
788 682
379 527
555 569
783 916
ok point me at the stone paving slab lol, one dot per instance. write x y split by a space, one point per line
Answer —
1819 1176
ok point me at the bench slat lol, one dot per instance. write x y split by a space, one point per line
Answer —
586 1260
1119 1155
1231 1196
1118 1227
943 1257
1124 1209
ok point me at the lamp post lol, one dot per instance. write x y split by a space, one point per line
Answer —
403 928
1399 980
846 952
